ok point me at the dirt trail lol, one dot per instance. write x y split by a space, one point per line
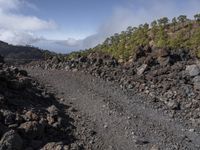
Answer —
120 118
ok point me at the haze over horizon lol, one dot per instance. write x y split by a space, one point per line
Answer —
64 26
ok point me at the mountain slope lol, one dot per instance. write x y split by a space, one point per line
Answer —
21 53
184 35
179 33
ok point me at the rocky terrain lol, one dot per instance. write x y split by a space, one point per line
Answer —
171 78
128 109
32 118
150 102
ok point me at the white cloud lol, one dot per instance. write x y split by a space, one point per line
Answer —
6 5
60 46
16 37
69 42
17 28
23 23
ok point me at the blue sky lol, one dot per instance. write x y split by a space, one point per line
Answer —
75 18
67 25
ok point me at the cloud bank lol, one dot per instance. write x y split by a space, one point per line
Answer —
17 28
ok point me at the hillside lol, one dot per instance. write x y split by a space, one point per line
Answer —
21 53
179 33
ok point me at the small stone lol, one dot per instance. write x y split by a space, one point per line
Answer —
55 146
13 126
75 70
130 86
53 110
193 70
62 99
172 104
73 109
141 142
155 148
91 141
191 130
105 126
67 68
92 132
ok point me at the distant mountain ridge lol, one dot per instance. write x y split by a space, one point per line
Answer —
13 53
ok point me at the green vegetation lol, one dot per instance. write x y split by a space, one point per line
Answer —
180 32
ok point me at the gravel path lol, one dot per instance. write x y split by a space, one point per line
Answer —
120 118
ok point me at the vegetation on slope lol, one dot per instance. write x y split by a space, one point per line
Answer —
179 33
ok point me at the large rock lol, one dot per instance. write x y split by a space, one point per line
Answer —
141 69
13 69
83 59
163 52
139 53
55 60
183 54
193 70
11 141
31 116
196 82
55 146
163 61
31 130
9 118
23 73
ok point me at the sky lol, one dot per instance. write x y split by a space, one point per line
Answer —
69 25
